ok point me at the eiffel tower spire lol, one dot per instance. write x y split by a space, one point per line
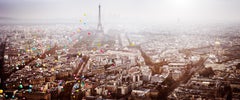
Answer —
99 26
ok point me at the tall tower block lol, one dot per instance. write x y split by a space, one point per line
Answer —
99 26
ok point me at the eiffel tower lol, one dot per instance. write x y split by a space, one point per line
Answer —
99 26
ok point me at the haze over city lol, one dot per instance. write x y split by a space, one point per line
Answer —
123 11
119 49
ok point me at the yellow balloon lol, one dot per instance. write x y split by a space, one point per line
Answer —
99 44
132 44
78 30
1 91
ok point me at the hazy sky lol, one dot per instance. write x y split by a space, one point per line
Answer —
123 10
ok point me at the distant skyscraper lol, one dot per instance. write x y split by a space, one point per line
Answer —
99 26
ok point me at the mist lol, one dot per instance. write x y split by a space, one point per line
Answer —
122 11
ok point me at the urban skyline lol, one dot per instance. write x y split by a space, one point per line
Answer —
184 52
